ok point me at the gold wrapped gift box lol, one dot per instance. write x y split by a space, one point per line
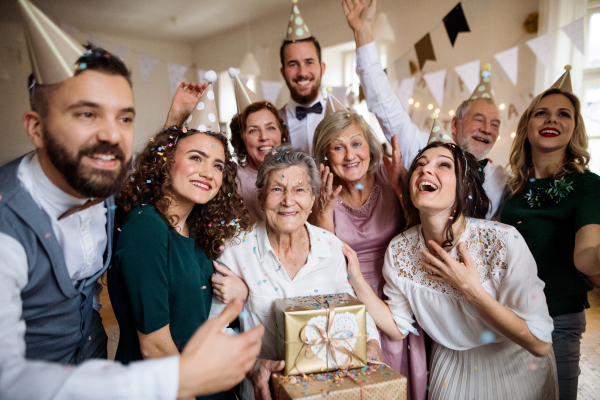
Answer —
293 316
378 382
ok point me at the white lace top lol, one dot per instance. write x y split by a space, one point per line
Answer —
507 271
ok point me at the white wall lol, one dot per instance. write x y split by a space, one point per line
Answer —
496 25
153 97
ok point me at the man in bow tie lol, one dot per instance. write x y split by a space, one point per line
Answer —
302 69
56 227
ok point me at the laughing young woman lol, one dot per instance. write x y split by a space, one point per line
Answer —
554 203
471 284
182 187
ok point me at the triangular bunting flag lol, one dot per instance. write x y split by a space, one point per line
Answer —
542 48
508 60
469 73
424 49
574 31
435 83
176 73
147 65
456 22
271 90
405 91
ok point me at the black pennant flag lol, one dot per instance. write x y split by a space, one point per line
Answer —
455 23
424 49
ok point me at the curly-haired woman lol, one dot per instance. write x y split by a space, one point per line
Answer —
176 210
554 203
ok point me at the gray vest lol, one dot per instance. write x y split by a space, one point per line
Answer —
56 311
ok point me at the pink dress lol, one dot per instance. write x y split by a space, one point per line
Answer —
246 183
369 230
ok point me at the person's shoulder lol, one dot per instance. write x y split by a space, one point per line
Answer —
144 220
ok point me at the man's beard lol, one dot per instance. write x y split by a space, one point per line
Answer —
87 181
309 98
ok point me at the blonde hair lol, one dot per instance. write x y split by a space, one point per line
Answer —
330 129
576 156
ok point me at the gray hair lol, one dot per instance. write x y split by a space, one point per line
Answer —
283 157
464 107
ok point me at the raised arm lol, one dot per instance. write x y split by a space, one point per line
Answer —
184 101
381 99
322 215
521 315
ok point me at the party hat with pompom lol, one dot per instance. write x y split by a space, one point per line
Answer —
297 28
564 82
333 104
204 117
484 87
438 133
243 95
52 52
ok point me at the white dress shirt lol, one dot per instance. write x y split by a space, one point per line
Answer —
383 102
507 271
252 258
302 132
83 239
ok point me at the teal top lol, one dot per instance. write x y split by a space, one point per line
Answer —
157 278
548 214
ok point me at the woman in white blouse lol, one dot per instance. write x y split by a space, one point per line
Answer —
471 284
285 256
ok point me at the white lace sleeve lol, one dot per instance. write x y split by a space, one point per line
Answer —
522 292
397 301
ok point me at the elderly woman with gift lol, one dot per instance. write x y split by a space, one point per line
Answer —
365 212
285 256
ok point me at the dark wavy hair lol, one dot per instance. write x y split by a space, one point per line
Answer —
471 200
238 125
210 224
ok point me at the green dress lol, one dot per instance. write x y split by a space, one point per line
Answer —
548 214
157 278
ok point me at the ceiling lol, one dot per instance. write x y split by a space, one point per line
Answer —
180 20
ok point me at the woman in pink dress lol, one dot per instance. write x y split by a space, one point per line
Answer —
365 211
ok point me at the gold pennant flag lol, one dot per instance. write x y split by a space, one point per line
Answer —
52 52
424 49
